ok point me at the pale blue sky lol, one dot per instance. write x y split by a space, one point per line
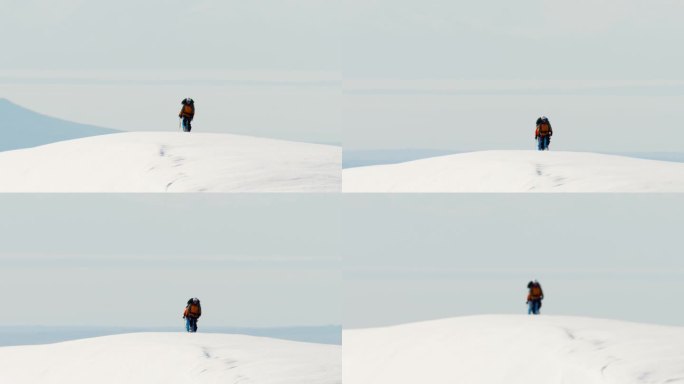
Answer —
265 260
262 68
134 260
465 75
283 105
420 257
497 39
170 34
457 75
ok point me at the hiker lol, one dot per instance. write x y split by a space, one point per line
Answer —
543 133
193 311
187 113
535 296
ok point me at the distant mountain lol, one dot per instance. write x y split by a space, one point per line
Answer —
23 335
677 157
23 128
362 158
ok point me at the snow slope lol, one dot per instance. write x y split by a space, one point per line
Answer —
511 349
168 358
173 162
519 171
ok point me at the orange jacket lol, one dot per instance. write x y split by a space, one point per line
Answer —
548 133
187 111
538 296
188 313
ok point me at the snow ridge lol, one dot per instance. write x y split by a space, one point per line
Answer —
512 349
519 171
171 358
172 162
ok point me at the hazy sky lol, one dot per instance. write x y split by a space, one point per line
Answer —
267 260
597 123
471 76
290 106
420 257
380 74
265 68
170 34
531 39
134 260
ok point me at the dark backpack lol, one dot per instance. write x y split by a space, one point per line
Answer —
544 128
535 291
194 310
188 110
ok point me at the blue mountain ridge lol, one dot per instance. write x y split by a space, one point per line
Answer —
23 128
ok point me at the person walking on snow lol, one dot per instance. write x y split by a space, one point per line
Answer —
186 114
535 296
192 312
543 133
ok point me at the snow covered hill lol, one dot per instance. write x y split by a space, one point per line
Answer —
511 349
168 358
172 162
519 171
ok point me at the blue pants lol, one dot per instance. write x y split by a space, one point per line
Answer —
543 142
186 124
533 307
190 324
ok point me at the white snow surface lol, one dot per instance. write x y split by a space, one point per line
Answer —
512 349
169 358
519 171
172 162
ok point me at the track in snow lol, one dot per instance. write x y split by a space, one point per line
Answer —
172 162
511 349
519 171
